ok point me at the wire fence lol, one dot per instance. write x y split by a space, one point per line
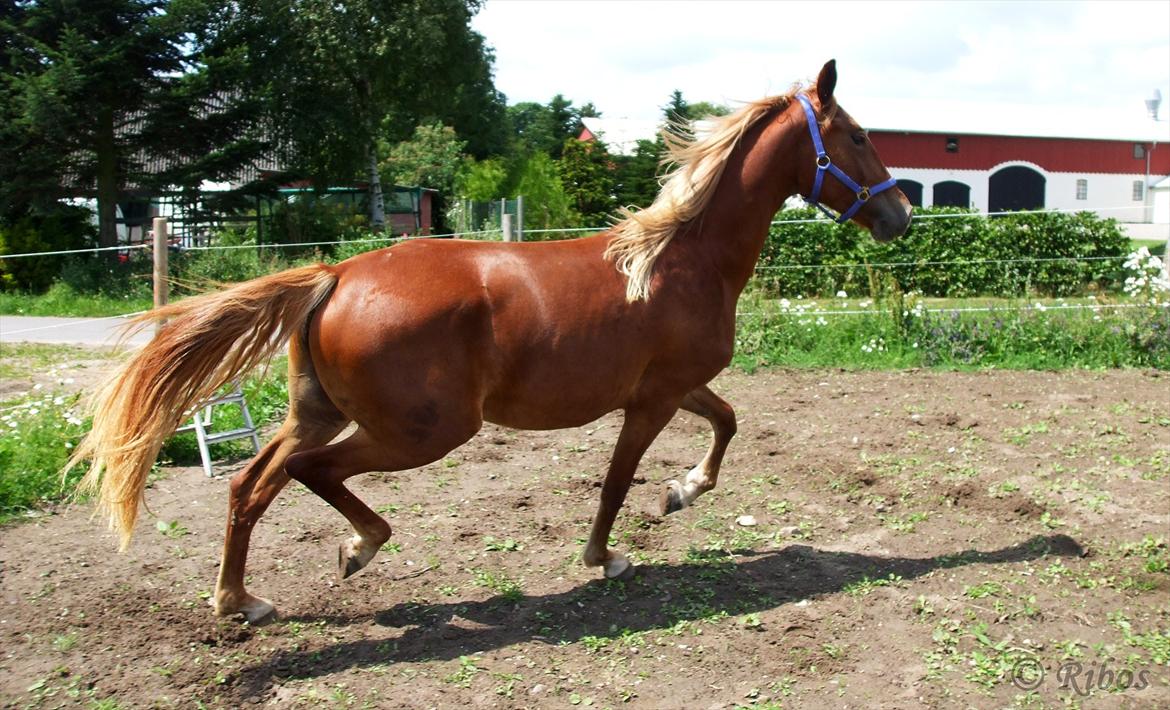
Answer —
761 271
575 230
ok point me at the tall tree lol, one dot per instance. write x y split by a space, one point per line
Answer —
587 175
637 174
75 64
344 75
103 95
432 158
676 108
705 109
545 127
546 206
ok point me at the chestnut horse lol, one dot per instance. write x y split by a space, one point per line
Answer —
420 343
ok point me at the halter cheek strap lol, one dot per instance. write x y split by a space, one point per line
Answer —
825 165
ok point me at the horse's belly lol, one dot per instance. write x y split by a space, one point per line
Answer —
555 394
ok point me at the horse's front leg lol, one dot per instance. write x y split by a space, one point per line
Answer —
703 477
642 424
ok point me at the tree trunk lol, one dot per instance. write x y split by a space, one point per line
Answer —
107 179
377 208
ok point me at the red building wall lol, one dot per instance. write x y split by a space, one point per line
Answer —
1069 155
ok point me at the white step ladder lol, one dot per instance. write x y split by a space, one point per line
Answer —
201 420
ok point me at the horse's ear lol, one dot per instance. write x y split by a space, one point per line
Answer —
826 82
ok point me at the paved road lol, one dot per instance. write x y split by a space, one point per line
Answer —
77 331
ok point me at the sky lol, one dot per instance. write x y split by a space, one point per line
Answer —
1037 68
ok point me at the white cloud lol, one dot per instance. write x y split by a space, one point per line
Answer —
1100 58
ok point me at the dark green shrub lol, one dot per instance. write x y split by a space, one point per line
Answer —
66 228
959 254
116 275
307 219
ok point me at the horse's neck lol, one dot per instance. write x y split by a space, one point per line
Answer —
760 175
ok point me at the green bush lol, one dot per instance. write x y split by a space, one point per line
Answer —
196 269
118 276
67 228
306 219
961 254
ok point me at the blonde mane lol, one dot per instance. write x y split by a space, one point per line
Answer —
698 163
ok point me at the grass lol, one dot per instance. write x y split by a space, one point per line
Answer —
38 432
907 332
36 438
65 302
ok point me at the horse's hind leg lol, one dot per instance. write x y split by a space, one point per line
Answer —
703 477
311 422
324 471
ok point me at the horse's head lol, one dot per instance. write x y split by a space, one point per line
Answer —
844 171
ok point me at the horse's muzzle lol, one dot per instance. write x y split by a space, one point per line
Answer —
892 220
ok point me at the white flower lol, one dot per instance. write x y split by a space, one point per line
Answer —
842 294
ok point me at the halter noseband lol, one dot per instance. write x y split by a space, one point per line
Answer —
825 164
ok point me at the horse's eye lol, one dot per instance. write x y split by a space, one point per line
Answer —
858 139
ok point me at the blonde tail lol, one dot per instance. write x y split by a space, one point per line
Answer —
209 340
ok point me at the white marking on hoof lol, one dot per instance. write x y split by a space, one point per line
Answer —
617 565
696 484
354 555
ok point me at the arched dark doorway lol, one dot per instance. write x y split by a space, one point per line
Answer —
1015 188
951 194
912 190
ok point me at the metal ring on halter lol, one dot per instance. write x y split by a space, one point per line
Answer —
863 196
826 164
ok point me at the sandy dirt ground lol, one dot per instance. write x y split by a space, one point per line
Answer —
877 540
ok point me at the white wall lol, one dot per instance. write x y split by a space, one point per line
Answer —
1109 195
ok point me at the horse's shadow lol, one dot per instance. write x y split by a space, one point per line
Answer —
659 598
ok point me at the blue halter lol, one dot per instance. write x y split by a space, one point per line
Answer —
824 164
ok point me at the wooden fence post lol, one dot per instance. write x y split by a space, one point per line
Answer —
161 277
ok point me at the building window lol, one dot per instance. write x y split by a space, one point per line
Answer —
1139 151
1139 191
1082 189
952 144
912 190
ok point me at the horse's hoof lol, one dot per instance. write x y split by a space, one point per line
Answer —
255 611
618 567
351 558
348 563
672 498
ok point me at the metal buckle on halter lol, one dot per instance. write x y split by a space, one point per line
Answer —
825 164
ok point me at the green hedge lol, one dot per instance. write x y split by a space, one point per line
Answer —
821 257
